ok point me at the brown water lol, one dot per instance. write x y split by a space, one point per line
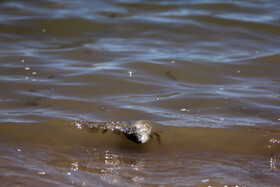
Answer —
205 73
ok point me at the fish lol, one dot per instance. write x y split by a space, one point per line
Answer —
139 131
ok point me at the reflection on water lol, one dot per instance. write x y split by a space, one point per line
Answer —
273 148
206 73
186 156
112 168
273 163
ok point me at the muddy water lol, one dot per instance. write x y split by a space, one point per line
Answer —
205 73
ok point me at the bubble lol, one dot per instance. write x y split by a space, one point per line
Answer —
75 166
27 68
129 73
41 173
79 125
205 180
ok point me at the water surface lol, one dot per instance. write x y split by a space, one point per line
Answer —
205 73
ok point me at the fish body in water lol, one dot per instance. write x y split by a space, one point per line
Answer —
137 131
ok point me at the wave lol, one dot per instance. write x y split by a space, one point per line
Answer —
171 139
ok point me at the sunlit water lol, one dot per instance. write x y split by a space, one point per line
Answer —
205 73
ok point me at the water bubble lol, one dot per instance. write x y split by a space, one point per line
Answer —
172 62
129 73
41 173
22 61
27 68
183 109
75 166
19 150
205 180
238 71
79 125
44 30
34 73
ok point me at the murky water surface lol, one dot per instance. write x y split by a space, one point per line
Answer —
205 73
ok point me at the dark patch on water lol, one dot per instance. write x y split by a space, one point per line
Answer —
170 75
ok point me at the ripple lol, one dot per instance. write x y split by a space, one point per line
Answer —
205 72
